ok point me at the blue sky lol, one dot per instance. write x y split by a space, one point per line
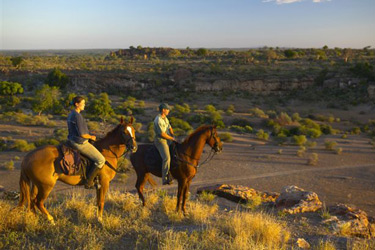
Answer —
89 24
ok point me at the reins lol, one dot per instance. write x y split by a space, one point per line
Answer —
208 159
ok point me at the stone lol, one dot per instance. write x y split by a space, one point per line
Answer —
302 243
352 221
294 200
238 193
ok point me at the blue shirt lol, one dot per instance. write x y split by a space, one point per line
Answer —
76 126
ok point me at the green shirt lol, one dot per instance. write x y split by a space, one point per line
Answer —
161 125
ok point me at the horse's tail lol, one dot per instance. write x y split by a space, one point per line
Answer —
24 188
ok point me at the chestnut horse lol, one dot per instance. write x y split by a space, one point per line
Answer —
183 167
41 169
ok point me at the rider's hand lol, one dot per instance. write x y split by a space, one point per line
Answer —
93 137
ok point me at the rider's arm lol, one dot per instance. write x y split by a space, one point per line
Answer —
166 136
83 130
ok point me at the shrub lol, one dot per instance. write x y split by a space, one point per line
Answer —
8 165
46 141
262 135
283 119
226 137
60 134
338 151
56 78
241 122
150 132
10 88
330 145
22 145
239 129
313 159
181 111
299 139
258 113
180 127
355 131
327 129
296 117
101 107
46 99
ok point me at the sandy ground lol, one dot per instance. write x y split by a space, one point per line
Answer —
346 178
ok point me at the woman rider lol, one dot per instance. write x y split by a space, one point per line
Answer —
79 139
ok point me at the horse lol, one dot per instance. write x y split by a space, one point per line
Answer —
183 165
40 169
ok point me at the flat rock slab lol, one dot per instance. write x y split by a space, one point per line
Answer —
238 193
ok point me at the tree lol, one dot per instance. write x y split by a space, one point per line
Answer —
46 98
9 90
290 53
202 52
16 61
101 106
57 78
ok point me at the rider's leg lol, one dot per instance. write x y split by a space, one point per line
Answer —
162 146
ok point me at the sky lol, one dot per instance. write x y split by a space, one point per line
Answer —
114 24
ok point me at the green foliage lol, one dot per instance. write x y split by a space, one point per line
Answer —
202 52
241 122
17 61
56 78
46 141
290 53
330 145
355 131
8 165
313 159
240 129
150 132
299 139
364 69
262 135
181 111
46 99
60 134
10 88
283 119
226 137
22 145
180 127
257 112
101 106
28 120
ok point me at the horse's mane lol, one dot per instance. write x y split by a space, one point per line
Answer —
111 133
196 132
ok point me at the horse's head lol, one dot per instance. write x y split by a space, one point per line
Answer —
128 135
214 140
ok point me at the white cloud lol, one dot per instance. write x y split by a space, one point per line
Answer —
292 1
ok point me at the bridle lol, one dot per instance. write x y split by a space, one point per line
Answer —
214 150
128 142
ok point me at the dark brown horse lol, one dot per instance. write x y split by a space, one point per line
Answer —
41 169
183 167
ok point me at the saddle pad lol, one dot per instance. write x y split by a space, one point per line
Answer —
153 159
72 162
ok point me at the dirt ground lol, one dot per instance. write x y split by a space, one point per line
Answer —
346 178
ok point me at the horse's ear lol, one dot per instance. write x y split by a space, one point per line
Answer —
131 120
122 120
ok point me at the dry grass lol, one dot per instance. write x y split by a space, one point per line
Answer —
127 224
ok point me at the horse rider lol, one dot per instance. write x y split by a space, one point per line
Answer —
163 137
79 139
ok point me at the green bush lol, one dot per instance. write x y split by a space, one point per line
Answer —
241 122
355 131
101 107
22 145
262 135
180 127
181 111
56 78
46 99
257 112
226 137
46 141
10 88
60 134
330 145
299 139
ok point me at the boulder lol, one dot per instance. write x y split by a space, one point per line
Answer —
294 200
352 221
238 193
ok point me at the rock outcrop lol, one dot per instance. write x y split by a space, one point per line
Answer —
350 221
294 200
239 193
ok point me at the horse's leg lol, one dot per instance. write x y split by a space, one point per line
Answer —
34 192
181 186
43 192
185 195
100 196
139 185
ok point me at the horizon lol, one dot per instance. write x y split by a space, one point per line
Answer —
212 24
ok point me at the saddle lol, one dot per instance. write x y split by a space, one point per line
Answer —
153 159
72 162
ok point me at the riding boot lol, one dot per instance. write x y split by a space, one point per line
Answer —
89 182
